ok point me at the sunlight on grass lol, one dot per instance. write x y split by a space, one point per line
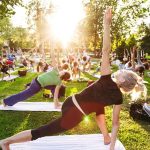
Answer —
73 90
24 124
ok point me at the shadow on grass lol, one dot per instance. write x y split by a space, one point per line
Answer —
13 122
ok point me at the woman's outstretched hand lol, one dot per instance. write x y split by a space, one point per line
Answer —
107 16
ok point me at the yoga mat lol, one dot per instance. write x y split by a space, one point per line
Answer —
31 106
7 78
67 142
12 71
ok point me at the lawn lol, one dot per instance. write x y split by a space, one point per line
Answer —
135 135
148 57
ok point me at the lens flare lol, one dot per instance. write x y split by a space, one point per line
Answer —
65 18
86 119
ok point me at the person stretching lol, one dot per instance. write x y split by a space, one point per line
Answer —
50 78
94 98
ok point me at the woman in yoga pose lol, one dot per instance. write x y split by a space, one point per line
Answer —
47 80
94 98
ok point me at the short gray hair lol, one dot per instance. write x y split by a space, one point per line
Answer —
133 84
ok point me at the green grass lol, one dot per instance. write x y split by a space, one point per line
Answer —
148 57
135 135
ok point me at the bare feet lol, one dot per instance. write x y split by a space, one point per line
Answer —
58 105
2 102
4 145
107 139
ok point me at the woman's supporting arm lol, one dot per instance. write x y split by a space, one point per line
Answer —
115 125
101 122
17 138
105 65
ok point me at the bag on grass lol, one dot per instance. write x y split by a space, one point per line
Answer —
22 73
137 112
49 91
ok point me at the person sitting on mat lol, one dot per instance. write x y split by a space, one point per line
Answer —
51 78
94 98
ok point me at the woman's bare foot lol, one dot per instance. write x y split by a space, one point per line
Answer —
107 139
2 102
4 145
58 105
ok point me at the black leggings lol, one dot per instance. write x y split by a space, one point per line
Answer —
71 116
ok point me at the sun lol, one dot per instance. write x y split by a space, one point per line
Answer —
65 18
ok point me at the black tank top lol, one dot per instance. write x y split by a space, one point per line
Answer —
103 92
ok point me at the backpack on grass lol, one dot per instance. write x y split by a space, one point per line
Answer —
137 112
49 91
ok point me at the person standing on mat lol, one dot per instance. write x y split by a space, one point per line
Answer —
94 98
47 79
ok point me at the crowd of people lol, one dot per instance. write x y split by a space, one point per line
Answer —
134 62
33 61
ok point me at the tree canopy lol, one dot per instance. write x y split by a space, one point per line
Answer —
7 7
125 15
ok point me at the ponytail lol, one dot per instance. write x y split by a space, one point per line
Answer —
139 91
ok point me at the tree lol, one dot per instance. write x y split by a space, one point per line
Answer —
125 45
5 30
125 15
37 21
145 37
16 37
7 7
22 38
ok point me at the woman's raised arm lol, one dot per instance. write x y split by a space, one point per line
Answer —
105 65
